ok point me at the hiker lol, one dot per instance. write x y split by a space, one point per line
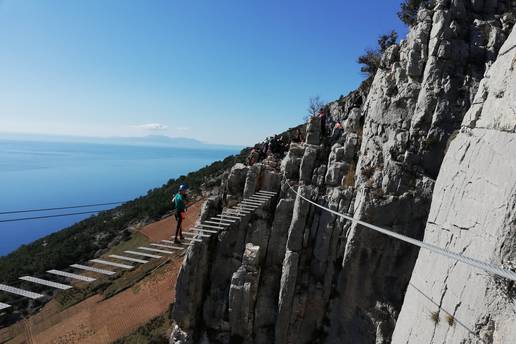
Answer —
298 137
263 150
253 157
180 204
322 117
337 132
274 145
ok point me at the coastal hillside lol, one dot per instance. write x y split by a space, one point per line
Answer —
94 236
293 273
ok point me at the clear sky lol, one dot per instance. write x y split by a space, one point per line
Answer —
222 71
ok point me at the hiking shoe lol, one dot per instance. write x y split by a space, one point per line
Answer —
177 241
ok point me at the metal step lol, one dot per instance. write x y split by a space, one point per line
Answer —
260 198
253 203
171 242
20 292
221 224
154 250
195 229
267 192
224 219
208 226
227 217
129 259
236 212
46 283
89 268
168 246
107 262
243 205
198 234
143 254
193 239
70 275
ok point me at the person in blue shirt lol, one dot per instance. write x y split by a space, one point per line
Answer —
180 205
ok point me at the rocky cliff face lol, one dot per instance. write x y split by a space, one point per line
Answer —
473 212
291 273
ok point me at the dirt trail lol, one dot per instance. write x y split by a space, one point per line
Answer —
102 321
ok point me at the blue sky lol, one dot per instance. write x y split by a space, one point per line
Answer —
220 71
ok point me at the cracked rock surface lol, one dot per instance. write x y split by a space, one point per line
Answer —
293 273
473 213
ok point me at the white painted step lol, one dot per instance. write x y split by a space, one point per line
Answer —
70 275
129 259
46 283
4 306
266 192
143 254
89 268
20 292
107 262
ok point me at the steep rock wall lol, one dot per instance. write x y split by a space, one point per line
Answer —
417 100
309 277
473 212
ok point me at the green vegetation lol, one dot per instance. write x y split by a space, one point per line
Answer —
370 61
434 316
409 8
154 332
83 240
450 319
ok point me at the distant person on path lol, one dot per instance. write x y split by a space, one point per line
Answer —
337 132
263 150
322 117
253 157
298 137
180 204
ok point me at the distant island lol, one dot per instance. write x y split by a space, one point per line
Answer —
148 140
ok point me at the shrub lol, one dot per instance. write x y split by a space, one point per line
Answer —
434 316
450 319
370 61
409 8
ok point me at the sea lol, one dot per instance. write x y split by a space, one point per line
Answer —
36 175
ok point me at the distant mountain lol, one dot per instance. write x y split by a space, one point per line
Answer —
149 140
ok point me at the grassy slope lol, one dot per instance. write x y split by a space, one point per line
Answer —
81 241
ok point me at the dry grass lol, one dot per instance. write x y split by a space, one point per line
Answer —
434 316
450 319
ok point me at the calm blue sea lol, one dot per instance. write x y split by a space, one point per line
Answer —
54 174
